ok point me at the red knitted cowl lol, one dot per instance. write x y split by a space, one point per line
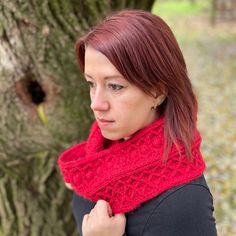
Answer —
128 173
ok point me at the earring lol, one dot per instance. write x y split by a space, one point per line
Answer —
154 107
161 99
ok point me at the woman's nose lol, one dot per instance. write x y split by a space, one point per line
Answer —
99 102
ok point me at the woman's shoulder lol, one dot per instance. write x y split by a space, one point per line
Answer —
198 185
190 188
187 207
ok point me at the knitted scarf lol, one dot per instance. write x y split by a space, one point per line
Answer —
127 174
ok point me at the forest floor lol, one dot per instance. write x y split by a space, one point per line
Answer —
210 54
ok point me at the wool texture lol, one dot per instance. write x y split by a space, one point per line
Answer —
129 173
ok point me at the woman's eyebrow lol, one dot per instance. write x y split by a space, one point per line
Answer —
113 77
106 77
88 75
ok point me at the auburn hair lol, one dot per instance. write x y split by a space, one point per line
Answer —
144 50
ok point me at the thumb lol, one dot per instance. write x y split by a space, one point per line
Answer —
120 217
109 210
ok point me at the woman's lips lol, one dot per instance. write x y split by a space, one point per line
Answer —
104 122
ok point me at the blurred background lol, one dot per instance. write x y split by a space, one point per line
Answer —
44 104
207 35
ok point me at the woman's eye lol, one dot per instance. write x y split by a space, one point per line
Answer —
115 87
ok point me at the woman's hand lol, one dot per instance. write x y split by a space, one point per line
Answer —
68 186
100 222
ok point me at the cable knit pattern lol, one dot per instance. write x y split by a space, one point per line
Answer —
128 173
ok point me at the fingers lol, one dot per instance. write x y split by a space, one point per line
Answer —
109 210
103 209
86 216
101 222
97 218
68 185
120 218
85 222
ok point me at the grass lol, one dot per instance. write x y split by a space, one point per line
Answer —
190 21
169 8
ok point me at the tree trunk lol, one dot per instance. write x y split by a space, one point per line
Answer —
44 108
213 12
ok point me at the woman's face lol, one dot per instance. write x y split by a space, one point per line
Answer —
120 108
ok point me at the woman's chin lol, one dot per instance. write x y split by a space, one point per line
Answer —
114 136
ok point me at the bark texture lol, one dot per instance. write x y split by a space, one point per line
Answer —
44 108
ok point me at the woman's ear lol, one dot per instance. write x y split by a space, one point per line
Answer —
161 89
159 100
160 94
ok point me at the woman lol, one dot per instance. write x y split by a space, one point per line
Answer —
141 170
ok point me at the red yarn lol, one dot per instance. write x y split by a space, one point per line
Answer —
128 173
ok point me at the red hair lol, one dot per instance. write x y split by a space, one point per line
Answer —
144 50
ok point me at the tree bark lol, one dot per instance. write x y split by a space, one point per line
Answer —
44 108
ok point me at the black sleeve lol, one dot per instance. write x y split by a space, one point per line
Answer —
80 207
187 211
